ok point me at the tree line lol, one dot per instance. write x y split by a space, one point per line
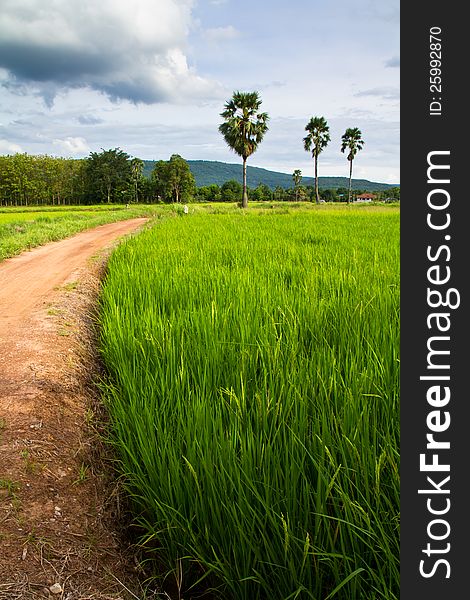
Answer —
109 176
232 190
112 176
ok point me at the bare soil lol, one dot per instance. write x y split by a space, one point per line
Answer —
60 508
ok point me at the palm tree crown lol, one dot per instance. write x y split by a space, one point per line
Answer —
316 140
244 127
318 135
352 140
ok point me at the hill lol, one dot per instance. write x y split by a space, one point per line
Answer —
207 172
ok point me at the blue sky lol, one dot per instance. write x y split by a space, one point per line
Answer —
152 76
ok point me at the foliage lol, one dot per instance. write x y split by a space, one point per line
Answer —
329 196
208 193
109 176
254 399
173 180
231 191
28 179
392 194
244 128
261 193
137 168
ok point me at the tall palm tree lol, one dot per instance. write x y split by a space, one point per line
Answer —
137 167
244 128
316 140
297 178
352 140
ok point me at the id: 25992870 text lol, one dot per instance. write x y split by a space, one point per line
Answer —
435 71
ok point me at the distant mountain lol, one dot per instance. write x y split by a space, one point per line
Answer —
207 172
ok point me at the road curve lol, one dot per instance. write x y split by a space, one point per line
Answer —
28 279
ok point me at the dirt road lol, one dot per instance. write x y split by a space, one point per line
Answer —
55 502
26 281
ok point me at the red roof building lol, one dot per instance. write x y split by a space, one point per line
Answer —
365 198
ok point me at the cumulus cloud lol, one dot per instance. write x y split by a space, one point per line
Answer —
7 147
126 50
72 145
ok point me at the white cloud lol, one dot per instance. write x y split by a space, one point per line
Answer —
7 147
127 50
72 145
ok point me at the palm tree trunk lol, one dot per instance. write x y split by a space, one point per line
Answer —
245 195
317 197
350 180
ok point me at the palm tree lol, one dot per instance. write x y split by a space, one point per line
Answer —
316 140
297 178
244 128
137 166
353 141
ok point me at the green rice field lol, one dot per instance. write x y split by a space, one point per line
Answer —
253 395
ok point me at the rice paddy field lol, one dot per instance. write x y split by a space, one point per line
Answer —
253 395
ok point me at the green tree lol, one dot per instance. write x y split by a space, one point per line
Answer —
244 128
174 180
40 180
329 195
182 181
208 193
109 175
262 193
316 141
341 193
137 167
297 179
279 194
231 190
352 140
147 190
302 194
158 178
214 192
393 193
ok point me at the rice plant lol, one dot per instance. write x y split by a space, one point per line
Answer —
253 394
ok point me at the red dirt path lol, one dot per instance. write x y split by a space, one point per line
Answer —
56 509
